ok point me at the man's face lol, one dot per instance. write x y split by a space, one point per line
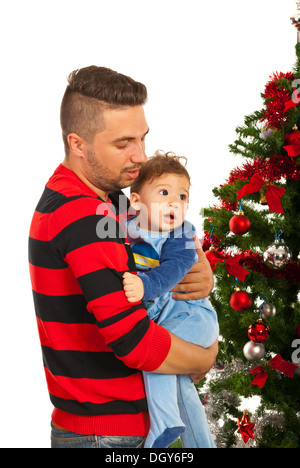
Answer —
118 151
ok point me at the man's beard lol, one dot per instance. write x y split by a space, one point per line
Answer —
100 176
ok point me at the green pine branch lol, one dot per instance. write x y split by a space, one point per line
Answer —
280 394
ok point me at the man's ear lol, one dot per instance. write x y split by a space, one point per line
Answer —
76 144
135 201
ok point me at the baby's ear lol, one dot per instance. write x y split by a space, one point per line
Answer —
135 201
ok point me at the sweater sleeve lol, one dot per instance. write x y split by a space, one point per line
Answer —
176 259
95 251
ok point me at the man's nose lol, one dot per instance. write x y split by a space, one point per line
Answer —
138 154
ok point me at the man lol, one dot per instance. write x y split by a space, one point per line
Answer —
94 342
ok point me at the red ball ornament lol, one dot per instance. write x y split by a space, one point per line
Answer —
240 301
258 332
239 224
211 255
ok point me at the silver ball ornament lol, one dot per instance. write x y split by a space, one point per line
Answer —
254 351
268 310
266 132
277 255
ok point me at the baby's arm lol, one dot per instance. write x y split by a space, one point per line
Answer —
167 275
176 259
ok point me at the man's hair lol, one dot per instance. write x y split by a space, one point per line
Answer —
90 91
158 165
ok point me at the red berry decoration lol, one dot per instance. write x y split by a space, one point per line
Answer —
240 301
239 224
258 332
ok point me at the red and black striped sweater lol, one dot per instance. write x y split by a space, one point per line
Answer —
94 342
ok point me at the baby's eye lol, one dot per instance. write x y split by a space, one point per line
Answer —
182 197
164 192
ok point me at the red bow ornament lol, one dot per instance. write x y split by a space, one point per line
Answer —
273 193
232 266
294 102
286 367
277 363
261 377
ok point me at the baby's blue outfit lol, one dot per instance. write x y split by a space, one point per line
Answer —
162 260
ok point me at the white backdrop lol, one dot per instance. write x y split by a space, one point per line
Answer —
205 64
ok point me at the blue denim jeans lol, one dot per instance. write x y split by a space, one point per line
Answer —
66 439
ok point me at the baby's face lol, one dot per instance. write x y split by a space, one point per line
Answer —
162 204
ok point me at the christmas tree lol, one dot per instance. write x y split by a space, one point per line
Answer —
252 240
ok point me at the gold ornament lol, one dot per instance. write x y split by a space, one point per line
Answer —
263 200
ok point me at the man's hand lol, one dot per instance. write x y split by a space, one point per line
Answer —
199 282
214 348
133 287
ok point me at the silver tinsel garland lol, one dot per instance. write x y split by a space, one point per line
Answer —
217 415
218 402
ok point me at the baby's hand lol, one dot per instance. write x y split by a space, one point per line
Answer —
133 287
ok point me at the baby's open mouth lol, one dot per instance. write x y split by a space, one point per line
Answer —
169 217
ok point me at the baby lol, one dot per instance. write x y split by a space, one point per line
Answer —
164 251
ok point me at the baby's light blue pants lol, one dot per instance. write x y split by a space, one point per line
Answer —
174 405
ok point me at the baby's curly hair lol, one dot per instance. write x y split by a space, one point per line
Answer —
156 166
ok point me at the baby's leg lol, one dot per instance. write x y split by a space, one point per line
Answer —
197 433
196 322
176 410
166 423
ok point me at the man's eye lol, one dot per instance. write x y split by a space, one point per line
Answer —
122 145
164 192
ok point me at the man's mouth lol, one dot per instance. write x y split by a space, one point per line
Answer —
132 173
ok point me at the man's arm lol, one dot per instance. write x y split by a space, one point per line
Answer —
187 358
